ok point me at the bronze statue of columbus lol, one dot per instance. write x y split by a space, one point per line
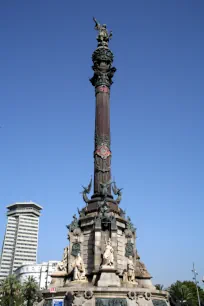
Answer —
103 35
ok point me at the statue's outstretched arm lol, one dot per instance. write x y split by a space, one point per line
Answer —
97 25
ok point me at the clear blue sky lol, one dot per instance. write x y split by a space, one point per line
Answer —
157 126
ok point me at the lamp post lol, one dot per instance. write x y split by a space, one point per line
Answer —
47 271
196 283
40 276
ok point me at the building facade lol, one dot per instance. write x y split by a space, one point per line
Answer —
21 237
40 272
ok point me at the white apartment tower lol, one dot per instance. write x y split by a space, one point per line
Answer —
21 238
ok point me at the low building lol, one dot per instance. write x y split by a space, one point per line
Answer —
41 272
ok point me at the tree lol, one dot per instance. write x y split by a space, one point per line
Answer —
30 291
181 294
10 292
159 287
192 286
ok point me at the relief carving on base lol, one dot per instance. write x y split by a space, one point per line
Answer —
131 295
129 249
88 294
82 299
111 302
144 299
78 299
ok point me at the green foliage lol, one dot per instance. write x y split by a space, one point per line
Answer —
12 293
30 291
191 285
185 293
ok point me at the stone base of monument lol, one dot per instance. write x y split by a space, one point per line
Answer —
77 283
58 279
146 283
97 296
108 277
129 284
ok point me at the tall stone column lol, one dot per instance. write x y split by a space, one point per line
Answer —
102 80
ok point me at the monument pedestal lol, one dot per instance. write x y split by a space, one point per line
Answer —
77 283
108 277
58 279
103 296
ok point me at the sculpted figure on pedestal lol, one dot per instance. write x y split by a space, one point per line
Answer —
62 265
86 190
129 273
108 257
130 270
104 190
117 192
74 224
78 268
104 213
130 225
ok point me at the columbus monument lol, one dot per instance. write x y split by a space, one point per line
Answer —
101 265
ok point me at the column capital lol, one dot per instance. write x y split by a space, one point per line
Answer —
102 66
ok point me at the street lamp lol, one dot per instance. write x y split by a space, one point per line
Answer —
196 283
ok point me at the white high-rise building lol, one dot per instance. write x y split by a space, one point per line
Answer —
21 238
